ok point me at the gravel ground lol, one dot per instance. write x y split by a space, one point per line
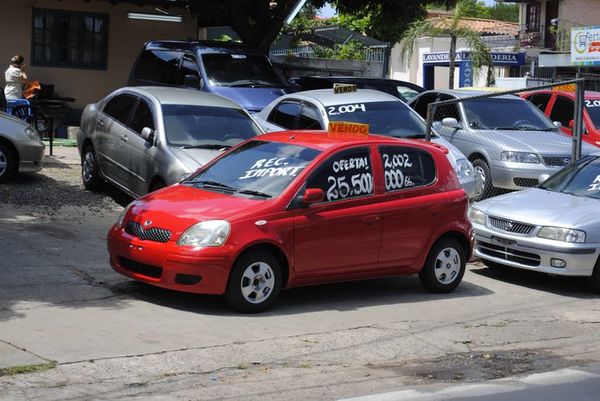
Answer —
57 186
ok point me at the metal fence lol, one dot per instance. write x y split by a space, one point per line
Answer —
371 54
512 142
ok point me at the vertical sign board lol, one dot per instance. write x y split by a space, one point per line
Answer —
585 46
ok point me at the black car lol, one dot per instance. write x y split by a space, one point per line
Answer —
403 90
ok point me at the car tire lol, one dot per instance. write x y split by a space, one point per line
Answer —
254 282
593 282
445 266
481 167
8 163
89 169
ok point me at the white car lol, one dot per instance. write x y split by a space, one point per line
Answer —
384 113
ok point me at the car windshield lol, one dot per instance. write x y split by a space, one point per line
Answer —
205 126
391 118
257 168
593 109
506 114
581 179
240 70
406 93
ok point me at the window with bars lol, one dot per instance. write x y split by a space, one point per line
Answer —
69 39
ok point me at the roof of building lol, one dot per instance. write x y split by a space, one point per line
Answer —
481 25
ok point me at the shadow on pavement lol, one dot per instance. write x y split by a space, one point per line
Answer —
560 285
337 296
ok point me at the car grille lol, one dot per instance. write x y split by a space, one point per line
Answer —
510 226
140 268
557 161
502 252
526 182
152 234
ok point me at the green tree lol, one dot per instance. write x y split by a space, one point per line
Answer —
450 26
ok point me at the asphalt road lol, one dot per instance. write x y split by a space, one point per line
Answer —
97 335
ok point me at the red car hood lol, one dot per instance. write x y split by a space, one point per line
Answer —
178 207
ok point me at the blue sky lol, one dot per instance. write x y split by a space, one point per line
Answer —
328 11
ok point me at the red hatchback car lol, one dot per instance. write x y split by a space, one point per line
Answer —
295 208
560 106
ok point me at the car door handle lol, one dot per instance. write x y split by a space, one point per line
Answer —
124 138
370 220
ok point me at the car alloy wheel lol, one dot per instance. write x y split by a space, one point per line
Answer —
7 163
444 267
482 171
447 265
254 282
89 169
257 282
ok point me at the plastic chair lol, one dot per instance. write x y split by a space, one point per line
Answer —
20 108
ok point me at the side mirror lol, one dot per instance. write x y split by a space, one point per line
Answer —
559 125
450 122
571 124
191 81
147 134
313 195
543 177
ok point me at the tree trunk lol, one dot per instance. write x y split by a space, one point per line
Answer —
451 58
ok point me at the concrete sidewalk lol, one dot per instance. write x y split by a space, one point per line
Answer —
62 155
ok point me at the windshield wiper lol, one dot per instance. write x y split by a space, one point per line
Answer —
253 84
207 146
213 184
254 193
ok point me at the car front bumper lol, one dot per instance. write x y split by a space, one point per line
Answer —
511 175
31 156
534 253
203 271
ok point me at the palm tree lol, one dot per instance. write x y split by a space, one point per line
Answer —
452 26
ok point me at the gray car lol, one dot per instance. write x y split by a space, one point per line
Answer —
144 138
509 141
384 113
21 150
554 228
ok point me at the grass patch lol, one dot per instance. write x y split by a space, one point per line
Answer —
17 370
305 366
242 366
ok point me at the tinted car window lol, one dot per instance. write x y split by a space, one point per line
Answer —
581 178
309 118
563 110
158 66
345 175
391 118
189 66
540 100
284 114
516 114
142 118
119 107
406 168
267 167
189 125
240 70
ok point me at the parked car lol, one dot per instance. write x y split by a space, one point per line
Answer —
229 69
403 90
296 208
385 115
560 106
509 141
142 139
21 150
554 228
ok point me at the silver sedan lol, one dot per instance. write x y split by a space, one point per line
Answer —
554 228
21 150
144 138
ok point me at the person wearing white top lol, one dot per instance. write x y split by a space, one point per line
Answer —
15 78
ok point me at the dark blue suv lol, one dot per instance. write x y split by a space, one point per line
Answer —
225 68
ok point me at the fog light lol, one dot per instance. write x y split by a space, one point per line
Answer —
557 263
